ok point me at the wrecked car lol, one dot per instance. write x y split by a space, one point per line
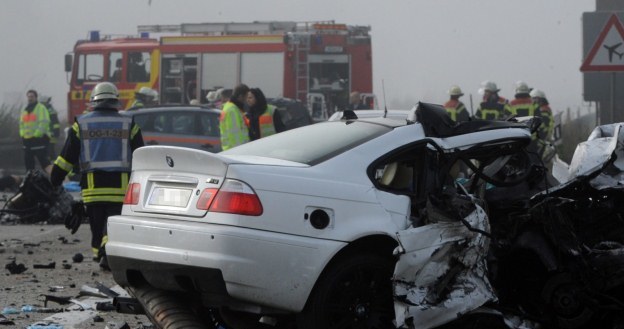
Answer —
357 223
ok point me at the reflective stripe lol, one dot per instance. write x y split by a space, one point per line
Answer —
522 107
267 127
104 194
63 164
104 164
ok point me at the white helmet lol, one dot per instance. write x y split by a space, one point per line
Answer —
212 96
488 85
522 88
455 91
104 90
45 99
145 91
537 93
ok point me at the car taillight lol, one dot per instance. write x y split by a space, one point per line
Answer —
206 197
132 194
236 197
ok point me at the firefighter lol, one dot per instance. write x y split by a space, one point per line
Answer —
55 125
232 125
546 129
492 106
355 102
454 107
262 119
522 105
101 142
142 98
224 95
34 129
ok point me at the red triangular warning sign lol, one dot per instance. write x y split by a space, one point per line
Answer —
607 54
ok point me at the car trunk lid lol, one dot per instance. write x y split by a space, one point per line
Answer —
171 180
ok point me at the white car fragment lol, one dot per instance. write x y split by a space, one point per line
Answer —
434 259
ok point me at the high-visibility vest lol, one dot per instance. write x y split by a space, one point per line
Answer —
232 126
522 107
34 124
105 142
136 104
267 127
547 127
55 125
454 107
492 111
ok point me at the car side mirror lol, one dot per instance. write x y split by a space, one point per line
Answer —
68 62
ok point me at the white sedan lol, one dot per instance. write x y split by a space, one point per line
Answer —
330 225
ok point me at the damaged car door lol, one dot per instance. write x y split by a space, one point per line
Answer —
441 271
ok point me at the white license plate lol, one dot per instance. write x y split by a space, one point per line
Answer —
163 196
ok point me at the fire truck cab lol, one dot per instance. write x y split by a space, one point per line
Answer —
318 63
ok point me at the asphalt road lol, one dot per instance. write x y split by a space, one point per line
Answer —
40 245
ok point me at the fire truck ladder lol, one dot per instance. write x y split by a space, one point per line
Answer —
302 71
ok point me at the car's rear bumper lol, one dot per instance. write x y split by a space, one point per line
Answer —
226 264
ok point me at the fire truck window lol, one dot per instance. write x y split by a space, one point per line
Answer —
138 67
90 68
114 67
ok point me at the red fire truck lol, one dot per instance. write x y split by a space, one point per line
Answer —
318 63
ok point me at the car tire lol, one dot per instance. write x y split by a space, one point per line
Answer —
166 310
356 292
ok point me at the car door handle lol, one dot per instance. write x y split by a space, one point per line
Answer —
152 143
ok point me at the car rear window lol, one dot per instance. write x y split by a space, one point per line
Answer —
312 144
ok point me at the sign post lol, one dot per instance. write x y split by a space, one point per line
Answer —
607 55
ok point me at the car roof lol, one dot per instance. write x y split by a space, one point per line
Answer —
170 108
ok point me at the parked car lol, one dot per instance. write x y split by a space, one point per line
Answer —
189 126
368 223
198 127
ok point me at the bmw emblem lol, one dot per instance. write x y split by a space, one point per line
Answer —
169 161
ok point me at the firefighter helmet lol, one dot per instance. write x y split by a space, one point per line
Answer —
488 85
522 87
103 91
145 91
45 99
537 93
455 91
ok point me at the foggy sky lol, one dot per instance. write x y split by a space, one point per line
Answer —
420 47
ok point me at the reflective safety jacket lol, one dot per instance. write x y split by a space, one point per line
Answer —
34 124
232 126
55 125
492 110
101 142
267 127
522 107
137 104
457 110
546 129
